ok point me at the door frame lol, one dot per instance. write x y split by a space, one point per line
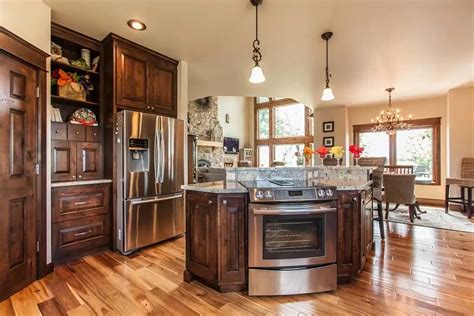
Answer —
17 48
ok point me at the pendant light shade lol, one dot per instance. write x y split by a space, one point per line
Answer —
327 92
256 76
327 95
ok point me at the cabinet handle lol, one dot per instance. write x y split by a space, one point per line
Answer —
209 202
83 233
81 203
224 202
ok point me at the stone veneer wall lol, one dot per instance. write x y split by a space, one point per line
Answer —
203 122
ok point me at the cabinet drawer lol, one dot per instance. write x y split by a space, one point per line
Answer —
76 132
74 238
80 201
58 131
93 134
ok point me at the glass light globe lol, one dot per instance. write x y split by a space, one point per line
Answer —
257 75
327 95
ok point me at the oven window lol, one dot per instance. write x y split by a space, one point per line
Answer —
291 237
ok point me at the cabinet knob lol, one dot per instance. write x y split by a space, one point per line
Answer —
80 177
224 202
57 131
354 199
95 134
77 132
152 107
74 177
148 107
209 202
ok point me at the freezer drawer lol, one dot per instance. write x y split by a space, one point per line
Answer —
148 221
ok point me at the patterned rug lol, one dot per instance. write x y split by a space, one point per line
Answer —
435 217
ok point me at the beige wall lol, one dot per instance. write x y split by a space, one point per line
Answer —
239 125
339 115
460 108
31 20
423 108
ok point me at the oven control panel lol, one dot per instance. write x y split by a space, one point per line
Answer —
292 194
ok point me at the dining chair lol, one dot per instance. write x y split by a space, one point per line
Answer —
465 183
377 184
400 189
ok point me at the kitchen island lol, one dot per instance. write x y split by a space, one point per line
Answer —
217 220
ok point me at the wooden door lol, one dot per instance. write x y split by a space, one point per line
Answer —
162 87
18 140
63 160
131 80
201 235
89 161
232 259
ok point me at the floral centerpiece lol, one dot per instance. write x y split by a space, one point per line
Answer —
356 151
322 152
307 153
337 152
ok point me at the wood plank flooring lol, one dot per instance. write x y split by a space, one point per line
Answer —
417 270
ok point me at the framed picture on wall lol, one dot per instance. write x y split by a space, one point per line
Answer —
328 141
328 127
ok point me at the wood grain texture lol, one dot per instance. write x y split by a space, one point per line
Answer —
417 270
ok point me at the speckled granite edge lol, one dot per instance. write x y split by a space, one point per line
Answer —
216 187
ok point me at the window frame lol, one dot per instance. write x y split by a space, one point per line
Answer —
433 123
271 141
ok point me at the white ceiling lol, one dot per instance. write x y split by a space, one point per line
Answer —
421 47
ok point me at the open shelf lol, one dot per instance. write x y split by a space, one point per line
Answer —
57 100
72 68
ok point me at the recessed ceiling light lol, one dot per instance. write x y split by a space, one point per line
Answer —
136 25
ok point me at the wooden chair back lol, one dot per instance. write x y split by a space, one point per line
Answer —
398 169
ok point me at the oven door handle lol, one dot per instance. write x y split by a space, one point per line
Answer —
294 212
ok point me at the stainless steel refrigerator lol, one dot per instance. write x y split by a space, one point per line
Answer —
150 206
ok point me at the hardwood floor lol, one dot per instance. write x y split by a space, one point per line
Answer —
417 270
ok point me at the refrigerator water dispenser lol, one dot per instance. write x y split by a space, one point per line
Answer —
138 155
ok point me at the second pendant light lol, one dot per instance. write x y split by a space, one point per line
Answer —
327 92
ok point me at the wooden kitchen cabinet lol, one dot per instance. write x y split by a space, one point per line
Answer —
81 220
215 240
355 233
142 79
76 161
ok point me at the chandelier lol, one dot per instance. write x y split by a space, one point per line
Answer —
390 120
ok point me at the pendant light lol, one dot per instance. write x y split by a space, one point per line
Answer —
327 92
256 76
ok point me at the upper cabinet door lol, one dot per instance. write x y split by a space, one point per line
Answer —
162 87
131 72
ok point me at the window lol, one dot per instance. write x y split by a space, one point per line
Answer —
283 127
418 147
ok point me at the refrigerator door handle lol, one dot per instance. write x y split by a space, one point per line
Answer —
162 159
156 164
157 199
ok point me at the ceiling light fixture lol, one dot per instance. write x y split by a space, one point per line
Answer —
136 25
390 120
256 76
327 92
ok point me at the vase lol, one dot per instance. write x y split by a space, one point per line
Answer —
356 164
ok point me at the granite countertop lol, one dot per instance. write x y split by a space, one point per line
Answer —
346 184
216 187
236 187
83 182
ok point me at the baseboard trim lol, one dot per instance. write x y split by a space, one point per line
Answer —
430 202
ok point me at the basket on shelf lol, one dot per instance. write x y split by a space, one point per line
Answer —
72 90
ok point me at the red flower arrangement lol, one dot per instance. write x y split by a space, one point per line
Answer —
322 151
356 150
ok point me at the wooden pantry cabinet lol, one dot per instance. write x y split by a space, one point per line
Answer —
139 78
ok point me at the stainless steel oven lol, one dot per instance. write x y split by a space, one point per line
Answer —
292 236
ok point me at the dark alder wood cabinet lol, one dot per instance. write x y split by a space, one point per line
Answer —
355 233
215 240
81 220
141 79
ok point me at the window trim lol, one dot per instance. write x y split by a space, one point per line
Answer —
271 140
434 123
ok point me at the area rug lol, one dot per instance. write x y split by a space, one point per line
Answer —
435 217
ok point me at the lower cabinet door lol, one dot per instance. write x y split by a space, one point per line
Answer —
77 237
89 161
63 160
